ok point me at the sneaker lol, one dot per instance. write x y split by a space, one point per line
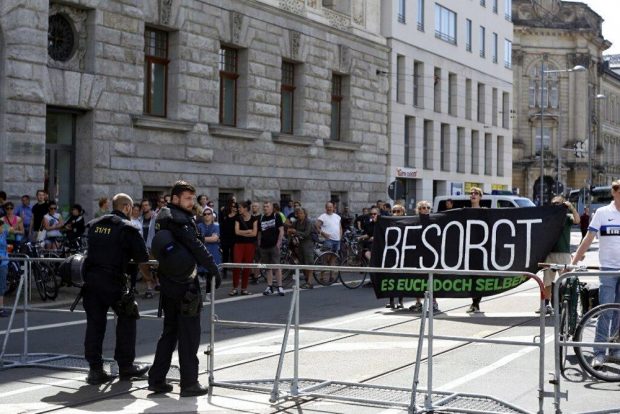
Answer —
549 310
280 291
417 308
268 291
473 309
598 362
436 308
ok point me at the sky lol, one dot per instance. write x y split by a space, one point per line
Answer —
608 10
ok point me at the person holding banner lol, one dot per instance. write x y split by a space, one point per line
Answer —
606 224
561 250
475 195
423 208
397 210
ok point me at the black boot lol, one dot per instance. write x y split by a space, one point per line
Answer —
194 390
133 371
98 376
160 388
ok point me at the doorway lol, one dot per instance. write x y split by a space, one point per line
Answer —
60 158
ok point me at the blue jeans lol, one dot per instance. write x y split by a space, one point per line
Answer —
332 245
4 270
608 292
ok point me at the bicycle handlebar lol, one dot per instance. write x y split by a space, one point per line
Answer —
564 266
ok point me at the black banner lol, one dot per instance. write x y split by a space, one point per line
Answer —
508 239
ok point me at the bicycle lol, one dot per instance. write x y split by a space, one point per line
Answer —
44 274
350 280
584 329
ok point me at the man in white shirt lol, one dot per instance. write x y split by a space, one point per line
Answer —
605 224
328 226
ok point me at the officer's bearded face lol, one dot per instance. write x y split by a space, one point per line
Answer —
186 200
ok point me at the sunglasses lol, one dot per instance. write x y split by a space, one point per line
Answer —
373 214
423 208
397 211
474 193
52 208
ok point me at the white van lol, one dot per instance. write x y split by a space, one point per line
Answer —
488 200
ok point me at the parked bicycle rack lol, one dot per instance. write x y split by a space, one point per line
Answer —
47 360
414 399
557 343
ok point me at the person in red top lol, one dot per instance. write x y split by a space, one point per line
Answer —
246 230
584 222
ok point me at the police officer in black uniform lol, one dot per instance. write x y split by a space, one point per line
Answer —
112 243
181 299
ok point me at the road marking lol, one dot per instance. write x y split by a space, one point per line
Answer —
41 386
489 368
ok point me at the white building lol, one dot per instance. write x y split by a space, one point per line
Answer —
450 94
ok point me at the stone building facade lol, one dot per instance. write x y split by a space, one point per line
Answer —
450 96
557 36
264 99
608 115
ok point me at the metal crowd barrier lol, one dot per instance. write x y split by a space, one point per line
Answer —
47 360
413 398
557 342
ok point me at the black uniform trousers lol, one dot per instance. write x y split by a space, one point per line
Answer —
100 293
177 328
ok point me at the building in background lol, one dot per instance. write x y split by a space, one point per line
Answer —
567 115
450 96
270 99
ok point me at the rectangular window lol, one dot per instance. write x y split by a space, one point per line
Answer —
468 98
475 152
460 149
401 11
337 99
427 145
505 109
287 100
400 78
452 95
228 86
444 155
546 140
482 42
495 47
507 54
494 104
409 144
483 3
155 72
468 35
418 84
420 19
437 89
500 156
445 24
481 104
495 6
488 154
508 10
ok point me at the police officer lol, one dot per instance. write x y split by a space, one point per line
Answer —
112 243
181 299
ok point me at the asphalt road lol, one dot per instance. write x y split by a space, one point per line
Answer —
509 373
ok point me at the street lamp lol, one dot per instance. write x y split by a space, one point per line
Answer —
591 100
577 68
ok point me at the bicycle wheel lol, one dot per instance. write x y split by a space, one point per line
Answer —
349 279
288 275
326 277
608 317
38 276
50 281
563 334
12 278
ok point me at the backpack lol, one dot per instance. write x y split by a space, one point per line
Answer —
175 260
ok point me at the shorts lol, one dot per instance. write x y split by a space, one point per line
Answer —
332 245
270 255
559 258
306 255
4 270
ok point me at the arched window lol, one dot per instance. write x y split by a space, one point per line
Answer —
550 90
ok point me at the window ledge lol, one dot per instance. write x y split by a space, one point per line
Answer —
339 145
163 124
303 141
224 131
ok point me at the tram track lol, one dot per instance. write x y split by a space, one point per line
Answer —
332 339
